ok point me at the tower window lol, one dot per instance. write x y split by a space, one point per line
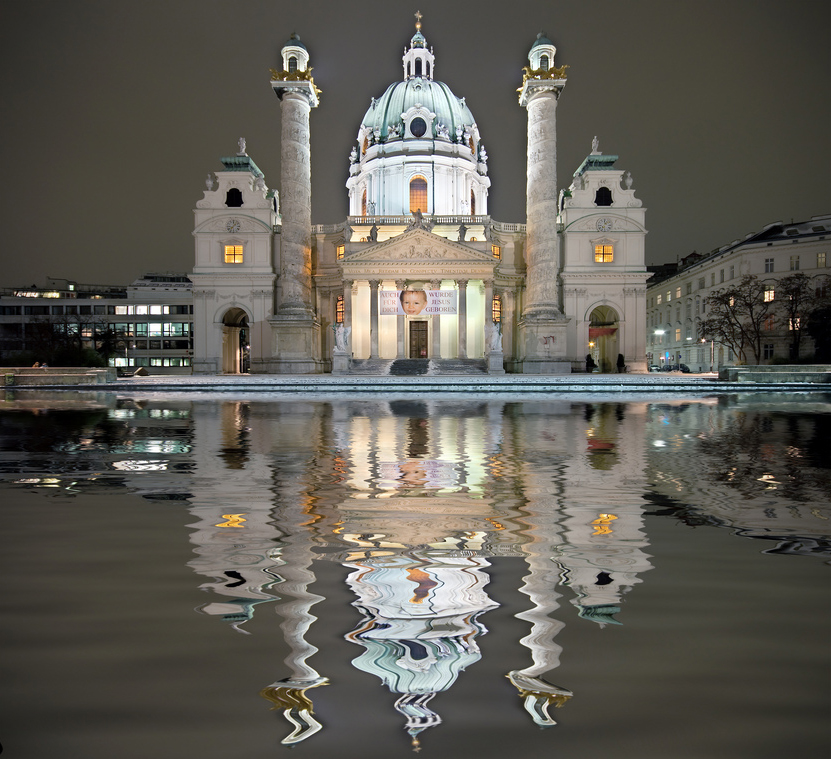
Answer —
418 67
603 197
604 254
292 64
233 254
233 198
544 62
418 194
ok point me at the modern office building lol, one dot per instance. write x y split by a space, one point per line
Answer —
146 324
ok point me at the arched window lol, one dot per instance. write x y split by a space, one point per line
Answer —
418 67
472 203
544 62
292 64
418 194
363 203
365 145
603 197
339 310
233 198
408 70
428 69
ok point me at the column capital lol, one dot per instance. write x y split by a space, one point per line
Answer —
435 284
374 284
462 283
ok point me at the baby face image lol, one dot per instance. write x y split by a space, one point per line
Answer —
413 301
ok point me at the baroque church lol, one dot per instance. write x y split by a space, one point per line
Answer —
419 276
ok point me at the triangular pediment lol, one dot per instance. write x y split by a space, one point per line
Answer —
419 246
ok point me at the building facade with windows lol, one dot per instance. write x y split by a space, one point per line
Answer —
418 269
147 324
677 296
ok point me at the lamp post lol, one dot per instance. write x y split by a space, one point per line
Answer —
712 351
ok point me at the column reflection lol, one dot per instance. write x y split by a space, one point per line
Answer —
418 501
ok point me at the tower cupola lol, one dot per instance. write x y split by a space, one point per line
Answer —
541 55
295 56
418 61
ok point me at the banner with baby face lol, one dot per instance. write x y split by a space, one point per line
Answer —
417 302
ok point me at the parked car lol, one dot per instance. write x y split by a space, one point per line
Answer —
684 368
654 368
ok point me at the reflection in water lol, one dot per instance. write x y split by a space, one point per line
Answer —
418 501
415 500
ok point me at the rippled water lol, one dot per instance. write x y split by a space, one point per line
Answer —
367 578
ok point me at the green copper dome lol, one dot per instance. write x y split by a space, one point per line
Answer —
386 112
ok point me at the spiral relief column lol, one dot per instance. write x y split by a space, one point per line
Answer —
296 330
542 329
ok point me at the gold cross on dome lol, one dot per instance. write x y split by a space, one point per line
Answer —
418 20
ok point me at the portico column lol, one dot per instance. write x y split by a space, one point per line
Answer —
461 284
400 325
488 285
347 309
435 284
373 317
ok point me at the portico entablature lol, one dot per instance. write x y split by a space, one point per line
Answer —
418 254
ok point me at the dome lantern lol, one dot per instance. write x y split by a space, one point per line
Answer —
418 61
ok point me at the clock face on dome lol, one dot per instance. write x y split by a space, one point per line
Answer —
233 225
604 225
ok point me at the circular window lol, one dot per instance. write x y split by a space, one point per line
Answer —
418 127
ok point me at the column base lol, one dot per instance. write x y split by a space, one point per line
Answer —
542 346
295 346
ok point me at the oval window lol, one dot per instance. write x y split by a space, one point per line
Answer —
418 127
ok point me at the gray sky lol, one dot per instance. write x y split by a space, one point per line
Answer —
114 112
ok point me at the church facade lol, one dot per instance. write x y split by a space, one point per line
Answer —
419 271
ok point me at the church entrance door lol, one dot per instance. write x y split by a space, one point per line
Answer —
418 339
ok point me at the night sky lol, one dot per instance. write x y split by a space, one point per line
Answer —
115 112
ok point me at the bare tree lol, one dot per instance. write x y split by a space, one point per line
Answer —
796 300
736 317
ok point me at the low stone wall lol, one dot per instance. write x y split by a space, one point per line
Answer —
777 373
15 376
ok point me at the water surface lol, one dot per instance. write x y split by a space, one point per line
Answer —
369 578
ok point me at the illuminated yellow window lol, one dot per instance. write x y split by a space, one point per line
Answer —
769 294
363 203
339 310
604 254
418 194
496 308
497 251
339 251
233 254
